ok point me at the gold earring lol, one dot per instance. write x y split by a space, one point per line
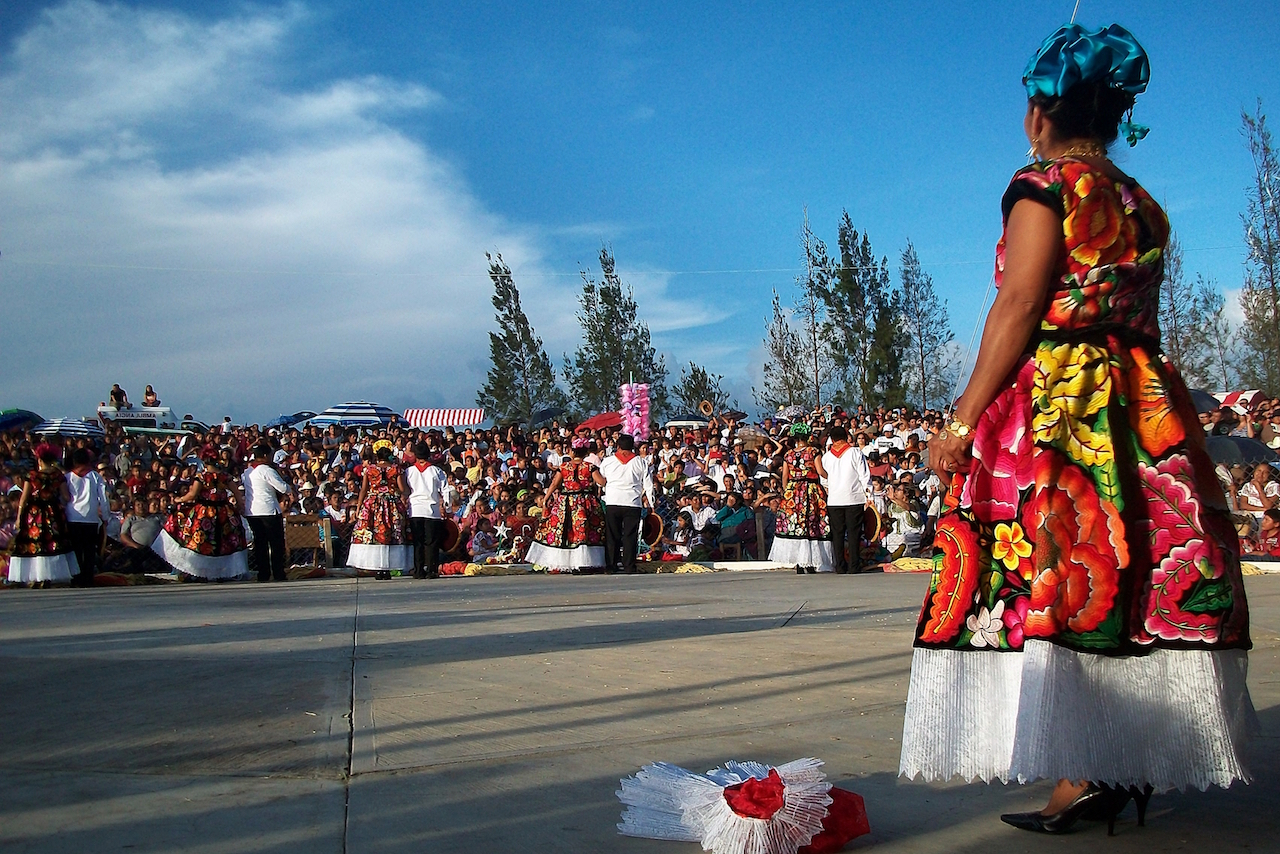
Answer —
1033 153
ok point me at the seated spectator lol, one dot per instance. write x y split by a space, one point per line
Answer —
677 542
149 397
905 520
118 398
1267 541
137 532
730 516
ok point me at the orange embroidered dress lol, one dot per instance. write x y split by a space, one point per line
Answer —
1086 618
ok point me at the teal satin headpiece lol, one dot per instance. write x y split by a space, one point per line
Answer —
1074 55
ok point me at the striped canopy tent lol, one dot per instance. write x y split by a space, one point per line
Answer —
68 427
356 413
426 418
1238 400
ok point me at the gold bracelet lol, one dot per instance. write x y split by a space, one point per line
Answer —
959 429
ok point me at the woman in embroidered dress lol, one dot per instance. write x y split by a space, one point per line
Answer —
380 540
203 537
570 536
803 535
42 553
1086 619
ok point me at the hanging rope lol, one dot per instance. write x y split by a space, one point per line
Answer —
955 392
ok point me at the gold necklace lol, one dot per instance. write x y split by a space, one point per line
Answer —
1083 149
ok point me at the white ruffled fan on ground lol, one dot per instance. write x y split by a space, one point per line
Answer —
743 808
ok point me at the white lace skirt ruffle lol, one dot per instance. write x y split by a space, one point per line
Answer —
574 557
1173 718
374 556
25 570
793 551
209 567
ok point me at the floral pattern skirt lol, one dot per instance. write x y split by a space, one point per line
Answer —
381 521
1087 573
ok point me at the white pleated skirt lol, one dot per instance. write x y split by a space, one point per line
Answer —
26 570
373 556
794 551
1172 718
575 557
208 567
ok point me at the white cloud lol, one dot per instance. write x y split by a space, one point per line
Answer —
173 216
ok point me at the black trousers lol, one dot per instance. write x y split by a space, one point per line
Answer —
621 534
267 552
846 523
427 535
85 538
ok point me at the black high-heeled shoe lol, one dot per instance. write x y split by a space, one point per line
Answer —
1064 819
1117 799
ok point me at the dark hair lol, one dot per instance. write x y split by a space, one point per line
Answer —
383 453
1087 110
626 442
1273 514
838 434
261 451
422 450
81 457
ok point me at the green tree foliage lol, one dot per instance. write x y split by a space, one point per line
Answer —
864 324
521 380
1196 334
810 314
1217 335
1260 332
615 345
696 385
784 381
930 366
1179 322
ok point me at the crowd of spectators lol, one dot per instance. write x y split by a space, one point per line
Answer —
717 486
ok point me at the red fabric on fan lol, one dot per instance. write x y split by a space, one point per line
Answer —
456 567
846 819
754 798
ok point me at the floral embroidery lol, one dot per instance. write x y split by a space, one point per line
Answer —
1010 545
1091 516
986 626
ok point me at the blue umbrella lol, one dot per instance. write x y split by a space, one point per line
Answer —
18 419
286 420
359 413
68 427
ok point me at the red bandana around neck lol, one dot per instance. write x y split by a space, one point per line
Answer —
624 457
838 448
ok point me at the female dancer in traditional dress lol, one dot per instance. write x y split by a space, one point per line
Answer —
380 541
42 553
803 535
1086 620
570 537
203 537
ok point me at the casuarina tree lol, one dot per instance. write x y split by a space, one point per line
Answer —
1260 299
615 345
521 379
930 357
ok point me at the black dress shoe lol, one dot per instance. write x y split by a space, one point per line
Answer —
1087 802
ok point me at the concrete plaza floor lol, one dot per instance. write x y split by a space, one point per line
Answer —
497 715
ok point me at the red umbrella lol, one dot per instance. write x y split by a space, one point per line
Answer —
603 420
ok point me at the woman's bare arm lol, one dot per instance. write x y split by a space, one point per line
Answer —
1033 245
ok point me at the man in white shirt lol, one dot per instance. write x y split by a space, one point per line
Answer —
427 503
263 487
628 487
86 513
848 476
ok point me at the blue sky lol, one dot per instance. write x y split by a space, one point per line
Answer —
266 207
